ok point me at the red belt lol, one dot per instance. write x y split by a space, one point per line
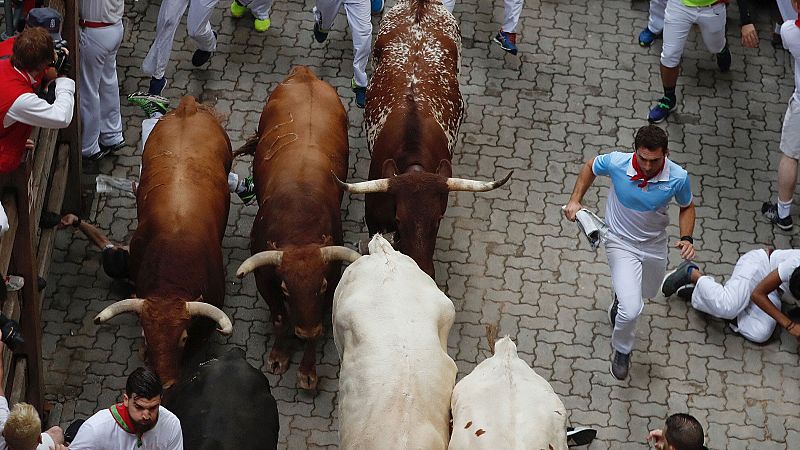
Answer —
90 24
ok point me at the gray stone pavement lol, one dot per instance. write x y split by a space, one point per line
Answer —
581 85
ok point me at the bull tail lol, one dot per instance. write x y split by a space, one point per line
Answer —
491 335
187 107
249 147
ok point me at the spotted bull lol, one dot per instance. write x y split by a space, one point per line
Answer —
413 113
176 252
297 234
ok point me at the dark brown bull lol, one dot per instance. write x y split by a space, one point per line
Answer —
301 139
414 110
176 252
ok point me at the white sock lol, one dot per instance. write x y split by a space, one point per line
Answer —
784 209
156 115
234 185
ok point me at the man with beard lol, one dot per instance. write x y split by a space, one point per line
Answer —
138 422
643 183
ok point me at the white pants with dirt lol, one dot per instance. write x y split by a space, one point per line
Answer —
637 270
359 17
147 128
732 300
678 21
259 8
99 89
655 20
512 11
198 27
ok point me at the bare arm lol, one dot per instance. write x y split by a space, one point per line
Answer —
91 232
686 225
585 179
760 297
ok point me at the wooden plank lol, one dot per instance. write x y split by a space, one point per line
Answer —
55 199
24 264
44 156
20 381
10 309
7 240
73 201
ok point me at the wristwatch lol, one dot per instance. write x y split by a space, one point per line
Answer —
688 239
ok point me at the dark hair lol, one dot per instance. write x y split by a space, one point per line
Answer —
794 283
652 138
143 382
33 48
3 288
684 432
115 262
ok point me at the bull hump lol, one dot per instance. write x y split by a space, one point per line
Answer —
417 60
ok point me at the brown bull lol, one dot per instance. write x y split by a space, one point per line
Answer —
414 110
176 252
301 139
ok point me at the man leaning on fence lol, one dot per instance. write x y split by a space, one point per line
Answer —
20 108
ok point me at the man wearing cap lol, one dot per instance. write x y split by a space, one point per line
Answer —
20 108
46 18
101 35
642 185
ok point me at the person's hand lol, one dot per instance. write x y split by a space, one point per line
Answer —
687 250
68 220
749 36
59 447
794 329
30 144
657 436
571 209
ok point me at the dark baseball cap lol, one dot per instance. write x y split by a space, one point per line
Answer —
46 18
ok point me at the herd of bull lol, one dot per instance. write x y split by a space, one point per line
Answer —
394 364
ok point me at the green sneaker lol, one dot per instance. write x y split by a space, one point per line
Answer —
237 9
150 104
248 195
261 25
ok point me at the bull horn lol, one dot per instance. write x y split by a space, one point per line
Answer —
339 253
213 313
265 258
461 184
364 187
122 306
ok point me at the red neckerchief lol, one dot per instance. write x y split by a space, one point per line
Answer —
121 416
797 23
640 175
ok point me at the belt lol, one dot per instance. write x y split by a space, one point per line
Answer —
90 24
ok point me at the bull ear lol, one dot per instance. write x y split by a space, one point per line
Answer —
444 169
389 169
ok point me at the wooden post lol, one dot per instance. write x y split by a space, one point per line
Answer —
73 201
25 264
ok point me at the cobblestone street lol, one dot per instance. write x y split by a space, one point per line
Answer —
581 85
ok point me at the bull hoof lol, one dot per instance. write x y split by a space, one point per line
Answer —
307 381
278 363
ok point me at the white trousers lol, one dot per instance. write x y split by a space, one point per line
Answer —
733 299
359 17
259 8
637 271
512 8
198 27
147 128
655 21
99 89
787 12
678 21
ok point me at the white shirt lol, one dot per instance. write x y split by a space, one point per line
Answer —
107 11
101 432
47 441
786 262
32 110
790 35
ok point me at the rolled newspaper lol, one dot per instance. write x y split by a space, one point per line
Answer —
591 226
107 184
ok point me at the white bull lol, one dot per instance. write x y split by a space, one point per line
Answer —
390 325
504 404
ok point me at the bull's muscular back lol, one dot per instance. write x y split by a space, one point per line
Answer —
182 203
303 131
417 58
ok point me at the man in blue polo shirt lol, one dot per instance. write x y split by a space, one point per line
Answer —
642 185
